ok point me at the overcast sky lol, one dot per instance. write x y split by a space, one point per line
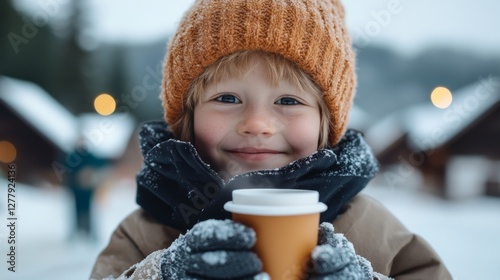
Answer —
408 25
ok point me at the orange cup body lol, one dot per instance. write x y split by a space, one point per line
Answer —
284 243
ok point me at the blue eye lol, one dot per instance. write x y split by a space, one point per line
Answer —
227 98
287 101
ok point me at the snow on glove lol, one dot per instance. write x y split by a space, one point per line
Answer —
213 249
335 258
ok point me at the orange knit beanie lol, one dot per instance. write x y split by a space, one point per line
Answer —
311 33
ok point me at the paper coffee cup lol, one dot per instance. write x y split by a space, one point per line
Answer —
286 223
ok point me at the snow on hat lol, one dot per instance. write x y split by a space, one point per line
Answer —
311 33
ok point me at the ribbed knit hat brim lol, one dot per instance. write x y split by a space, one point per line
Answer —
310 33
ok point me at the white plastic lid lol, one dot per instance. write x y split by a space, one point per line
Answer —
275 202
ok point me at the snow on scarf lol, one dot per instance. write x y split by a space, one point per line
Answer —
179 189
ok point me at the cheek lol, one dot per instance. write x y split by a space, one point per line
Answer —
304 136
202 139
208 132
202 136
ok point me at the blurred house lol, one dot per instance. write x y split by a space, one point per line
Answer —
37 126
43 133
456 150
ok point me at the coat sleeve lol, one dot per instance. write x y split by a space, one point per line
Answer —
135 249
381 238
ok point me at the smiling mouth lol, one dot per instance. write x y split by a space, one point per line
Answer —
254 151
254 154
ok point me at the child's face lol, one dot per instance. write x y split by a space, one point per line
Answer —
242 125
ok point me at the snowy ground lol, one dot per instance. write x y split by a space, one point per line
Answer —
45 219
464 233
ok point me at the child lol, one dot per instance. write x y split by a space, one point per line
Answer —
257 94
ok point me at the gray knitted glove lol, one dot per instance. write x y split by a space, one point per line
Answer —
335 258
213 249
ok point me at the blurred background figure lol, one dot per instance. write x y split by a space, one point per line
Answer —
83 180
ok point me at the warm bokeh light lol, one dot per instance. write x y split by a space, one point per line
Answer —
105 104
8 152
441 97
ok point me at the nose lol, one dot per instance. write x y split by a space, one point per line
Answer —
256 122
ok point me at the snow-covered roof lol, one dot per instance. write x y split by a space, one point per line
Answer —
358 118
385 132
106 136
40 110
430 127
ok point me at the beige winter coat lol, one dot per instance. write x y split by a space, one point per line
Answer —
136 246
